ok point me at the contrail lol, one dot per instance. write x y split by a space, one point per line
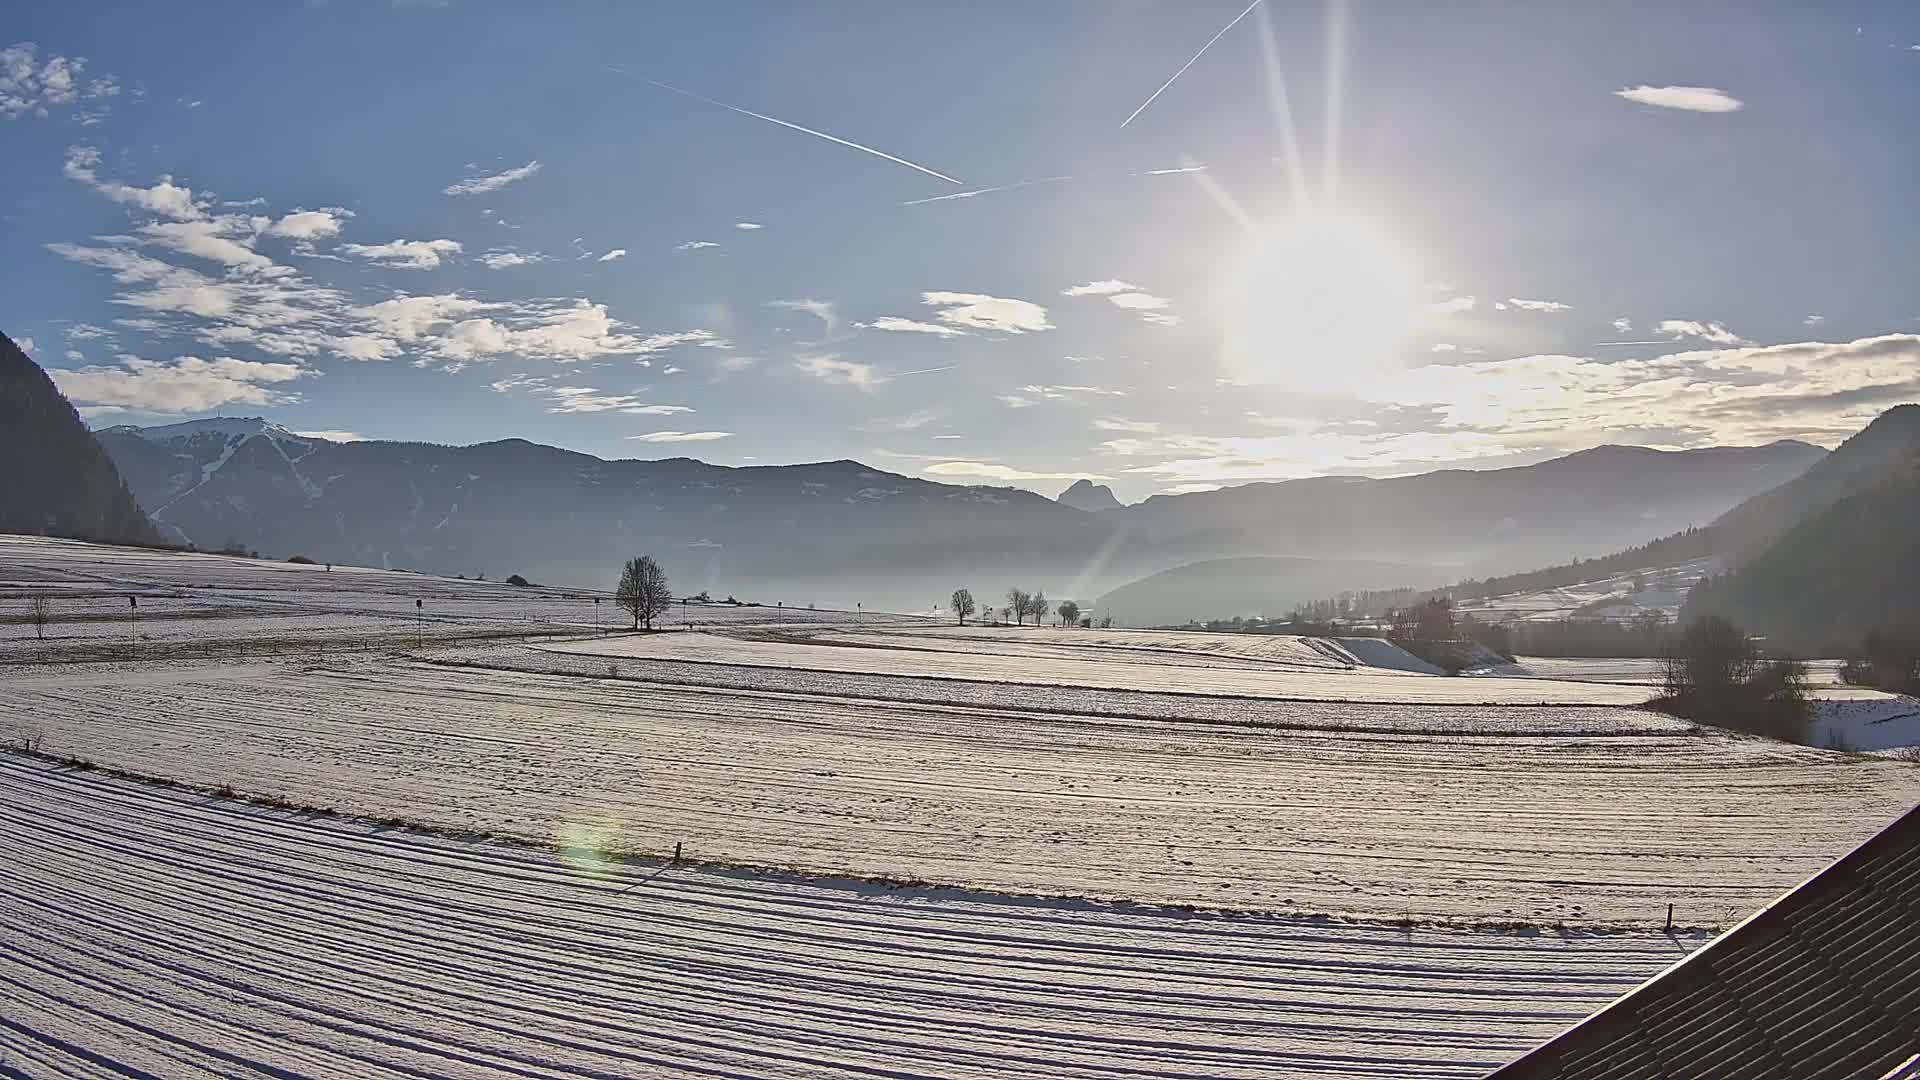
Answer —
1190 63
923 371
987 190
796 127
1175 171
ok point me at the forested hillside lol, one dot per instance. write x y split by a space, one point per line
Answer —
55 480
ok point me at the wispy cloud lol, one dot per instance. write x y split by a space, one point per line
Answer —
323 224
31 86
819 309
1120 294
748 226
896 324
1623 325
1099 288
1704 99
1453 306
164 197
988 470
803 130
830 368
406 254
616 253
1713 332
978 311
1816 320
483 183
695 245
681 436
1538 305
186 384
333 436
499 259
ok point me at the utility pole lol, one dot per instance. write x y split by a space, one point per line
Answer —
596 615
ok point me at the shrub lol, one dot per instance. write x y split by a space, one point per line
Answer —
301 560
517 580
1715 675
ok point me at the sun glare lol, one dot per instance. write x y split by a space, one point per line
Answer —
1321 305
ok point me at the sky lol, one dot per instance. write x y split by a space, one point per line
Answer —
1168 246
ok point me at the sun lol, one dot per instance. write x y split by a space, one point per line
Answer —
1320 304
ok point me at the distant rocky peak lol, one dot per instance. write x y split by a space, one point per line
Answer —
1089 496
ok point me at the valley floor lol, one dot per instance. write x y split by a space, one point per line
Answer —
163 933
912 850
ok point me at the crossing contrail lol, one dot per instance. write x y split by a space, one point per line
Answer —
1190 63
987 190
796 127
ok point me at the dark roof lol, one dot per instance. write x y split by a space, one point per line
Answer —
1824 982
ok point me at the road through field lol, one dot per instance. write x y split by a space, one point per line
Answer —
159 933
1434 818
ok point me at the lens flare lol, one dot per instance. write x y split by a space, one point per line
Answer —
1320 305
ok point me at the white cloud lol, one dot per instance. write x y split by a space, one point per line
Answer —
819 309
1099 288
993 471
681 436
830 368
320 224
978 311
587 399
406 254
27 345
222 240
1131 427
1046 392
1711 332
1444 347
1538 305
505 260
748 226
1129 297
1816 320
1454 306
616 253
30 85
1704 99
695 245
333 436
899 325
1015 401
164 198
1623 325
481 184
187 384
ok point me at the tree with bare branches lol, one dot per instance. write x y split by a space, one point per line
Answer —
642 592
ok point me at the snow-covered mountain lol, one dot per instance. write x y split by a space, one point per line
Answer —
841 531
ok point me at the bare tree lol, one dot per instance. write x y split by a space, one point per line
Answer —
1037 606
1017 603
1069 613
642 592
962 604
41 612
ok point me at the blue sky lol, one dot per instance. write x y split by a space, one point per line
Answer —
400 220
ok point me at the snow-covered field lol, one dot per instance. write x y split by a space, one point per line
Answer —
923 655
1069 788
1618 596
159 933
1432 812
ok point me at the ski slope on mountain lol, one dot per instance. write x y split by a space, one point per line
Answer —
160 933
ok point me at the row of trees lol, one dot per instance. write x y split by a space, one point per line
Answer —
1020 605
